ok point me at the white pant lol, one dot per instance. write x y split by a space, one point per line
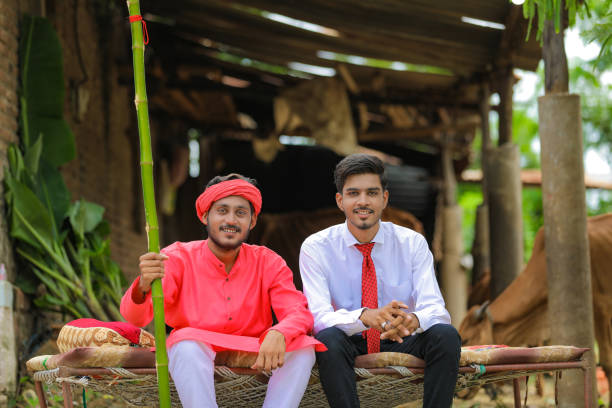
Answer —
192 363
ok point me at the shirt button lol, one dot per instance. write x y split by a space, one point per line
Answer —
230 318
228 298
227 279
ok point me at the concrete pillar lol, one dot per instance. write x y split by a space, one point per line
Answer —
570 303
453 279
505 216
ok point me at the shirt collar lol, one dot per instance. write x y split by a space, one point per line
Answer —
350 240
212 258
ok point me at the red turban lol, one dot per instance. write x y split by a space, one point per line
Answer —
228 188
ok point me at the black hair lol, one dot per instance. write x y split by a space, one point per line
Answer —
359 164
233 176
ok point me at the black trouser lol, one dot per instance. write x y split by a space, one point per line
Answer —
439 346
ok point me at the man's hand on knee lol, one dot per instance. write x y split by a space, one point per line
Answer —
271 352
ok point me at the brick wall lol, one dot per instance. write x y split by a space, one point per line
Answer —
106 169
8 110
8 134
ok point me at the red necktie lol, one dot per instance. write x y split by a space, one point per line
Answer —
369 293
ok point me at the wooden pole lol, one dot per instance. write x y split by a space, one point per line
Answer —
481 249
485 107
506 82
570 302
146 166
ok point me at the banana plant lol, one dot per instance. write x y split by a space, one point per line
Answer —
63 246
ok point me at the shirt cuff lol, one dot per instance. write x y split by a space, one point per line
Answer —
278 329
136 292
424 322
356 325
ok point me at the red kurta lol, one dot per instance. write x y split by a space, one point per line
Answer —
228 311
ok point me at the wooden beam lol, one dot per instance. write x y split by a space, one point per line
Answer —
533 178
512 37
430 133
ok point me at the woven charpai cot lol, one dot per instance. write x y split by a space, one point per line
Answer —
383 379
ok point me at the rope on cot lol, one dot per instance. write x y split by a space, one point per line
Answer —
480 370
404 371
136 18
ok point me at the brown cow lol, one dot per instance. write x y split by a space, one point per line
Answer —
518 316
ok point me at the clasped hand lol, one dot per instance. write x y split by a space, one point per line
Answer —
396 322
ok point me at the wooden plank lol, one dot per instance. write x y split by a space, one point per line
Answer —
267 30
364 18
396 79
260 29
431 133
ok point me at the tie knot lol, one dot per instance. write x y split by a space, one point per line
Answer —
365 249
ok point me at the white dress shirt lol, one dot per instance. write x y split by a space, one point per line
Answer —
330 266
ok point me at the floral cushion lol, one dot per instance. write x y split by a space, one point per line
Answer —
486 355
95 333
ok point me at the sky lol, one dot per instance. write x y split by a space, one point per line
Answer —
595 164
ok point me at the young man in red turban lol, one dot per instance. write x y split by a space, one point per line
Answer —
218 295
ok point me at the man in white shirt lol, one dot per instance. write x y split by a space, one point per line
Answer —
371 287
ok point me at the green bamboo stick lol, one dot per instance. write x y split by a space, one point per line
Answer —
146 168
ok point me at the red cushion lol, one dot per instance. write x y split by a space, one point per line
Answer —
127 330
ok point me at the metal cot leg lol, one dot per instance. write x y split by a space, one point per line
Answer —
67 392
40 393
588 388
517 393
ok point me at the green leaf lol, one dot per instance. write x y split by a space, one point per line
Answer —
52 191
30 220
103 229
32 156
26 283
42 91
58 140
85 217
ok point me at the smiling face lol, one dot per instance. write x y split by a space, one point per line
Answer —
363 200
228 223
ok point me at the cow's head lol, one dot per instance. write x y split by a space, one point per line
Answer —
477 327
